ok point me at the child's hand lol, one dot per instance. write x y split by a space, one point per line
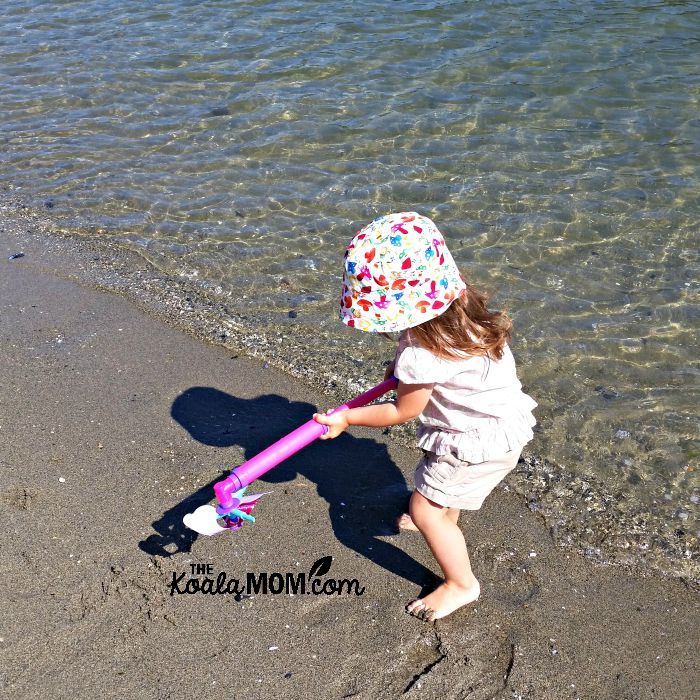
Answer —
336 423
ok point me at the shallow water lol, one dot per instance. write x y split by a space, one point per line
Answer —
555 144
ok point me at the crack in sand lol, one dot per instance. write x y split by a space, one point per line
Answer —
509 667
442 655
119 583
19 497
424 672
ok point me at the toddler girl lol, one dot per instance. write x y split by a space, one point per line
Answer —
456 374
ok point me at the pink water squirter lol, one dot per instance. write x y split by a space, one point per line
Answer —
226 491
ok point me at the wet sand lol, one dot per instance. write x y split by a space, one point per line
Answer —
114 424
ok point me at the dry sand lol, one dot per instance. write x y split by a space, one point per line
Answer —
114 424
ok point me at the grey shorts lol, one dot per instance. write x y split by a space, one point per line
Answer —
453 483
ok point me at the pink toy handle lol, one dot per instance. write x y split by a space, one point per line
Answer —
285 447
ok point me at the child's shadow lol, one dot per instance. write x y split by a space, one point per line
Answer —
364 489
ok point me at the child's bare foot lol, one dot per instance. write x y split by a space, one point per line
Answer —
445 599
406 523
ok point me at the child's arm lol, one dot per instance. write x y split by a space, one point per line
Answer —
411 399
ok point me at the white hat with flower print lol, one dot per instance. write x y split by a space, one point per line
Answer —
398 273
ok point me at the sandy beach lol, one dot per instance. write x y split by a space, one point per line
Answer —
115 424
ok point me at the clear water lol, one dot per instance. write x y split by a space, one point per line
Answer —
556 144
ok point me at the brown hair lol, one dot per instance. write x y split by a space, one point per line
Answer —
466 327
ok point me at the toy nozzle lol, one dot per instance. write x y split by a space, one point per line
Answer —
225 492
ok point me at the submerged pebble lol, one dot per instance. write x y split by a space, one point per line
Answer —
608 394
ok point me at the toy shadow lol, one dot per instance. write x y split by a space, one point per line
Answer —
364 489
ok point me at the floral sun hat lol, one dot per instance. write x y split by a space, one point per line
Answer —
398 273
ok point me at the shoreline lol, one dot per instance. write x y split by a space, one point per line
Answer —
580 511
116 423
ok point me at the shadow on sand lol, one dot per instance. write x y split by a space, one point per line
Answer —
356 472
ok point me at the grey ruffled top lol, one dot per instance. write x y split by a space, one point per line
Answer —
477 410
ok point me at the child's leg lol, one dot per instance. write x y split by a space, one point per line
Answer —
405 521
439 527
